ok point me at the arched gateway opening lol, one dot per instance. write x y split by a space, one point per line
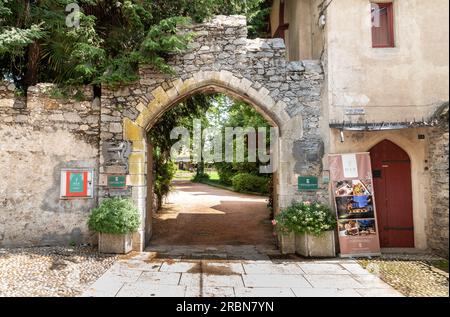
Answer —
202 212
242 203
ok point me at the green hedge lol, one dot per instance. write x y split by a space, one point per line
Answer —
198 178
245 182
226 172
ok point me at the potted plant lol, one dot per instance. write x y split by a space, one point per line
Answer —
284 225
115 220
313 225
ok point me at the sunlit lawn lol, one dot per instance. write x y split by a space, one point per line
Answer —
213 175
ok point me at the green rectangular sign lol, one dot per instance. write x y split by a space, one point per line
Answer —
306 183
76 183
117 181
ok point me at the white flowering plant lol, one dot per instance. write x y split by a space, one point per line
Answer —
305 218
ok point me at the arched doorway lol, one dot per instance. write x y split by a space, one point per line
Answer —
194 212
391 167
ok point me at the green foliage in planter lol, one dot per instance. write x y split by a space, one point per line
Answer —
245 182
305 218
115 216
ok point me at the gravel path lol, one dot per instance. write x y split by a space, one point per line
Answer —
412 275
50 271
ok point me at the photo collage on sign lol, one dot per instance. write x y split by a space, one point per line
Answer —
355 207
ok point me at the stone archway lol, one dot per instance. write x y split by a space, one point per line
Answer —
222 59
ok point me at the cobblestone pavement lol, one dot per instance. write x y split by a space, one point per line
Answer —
147 275
50 271
412 275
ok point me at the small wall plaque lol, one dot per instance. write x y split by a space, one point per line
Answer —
355 111
117 181
308 183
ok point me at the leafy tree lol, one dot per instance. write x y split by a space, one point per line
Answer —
113 37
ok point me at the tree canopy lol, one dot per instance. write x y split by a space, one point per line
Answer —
112 39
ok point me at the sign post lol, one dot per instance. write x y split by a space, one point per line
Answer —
352 185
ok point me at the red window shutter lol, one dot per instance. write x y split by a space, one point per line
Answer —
382 25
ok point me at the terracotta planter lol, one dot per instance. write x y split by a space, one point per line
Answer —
286 243
115 243
312 246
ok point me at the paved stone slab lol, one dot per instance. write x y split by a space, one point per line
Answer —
272 268
333 281
325 292
378 292
179 267
210 292
136 265
190 279
222 280
371 281
223 268
160 278
275 280
263 292
355 268
146 290
120 275
103 288
209 280
322 268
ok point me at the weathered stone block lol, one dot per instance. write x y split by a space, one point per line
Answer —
286 243
115 243
316 246
136 180
136 168
131 131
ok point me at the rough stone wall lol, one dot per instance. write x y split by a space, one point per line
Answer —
38 137
438 160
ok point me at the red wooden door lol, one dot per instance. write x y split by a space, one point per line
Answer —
393 195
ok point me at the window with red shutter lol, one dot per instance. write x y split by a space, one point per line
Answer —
382 25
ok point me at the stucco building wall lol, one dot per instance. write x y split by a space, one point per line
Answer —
401 83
